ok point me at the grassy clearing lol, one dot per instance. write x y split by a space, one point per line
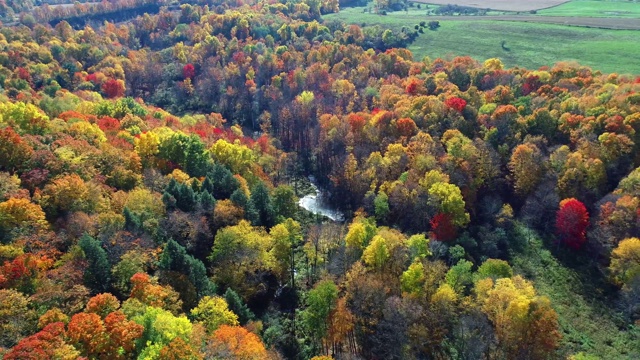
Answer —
586 316
531 45
594 8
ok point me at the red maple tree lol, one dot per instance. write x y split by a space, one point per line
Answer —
442 227
456 103
189 71
571 223
406 127
113 88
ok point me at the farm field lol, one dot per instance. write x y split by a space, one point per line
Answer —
593 8
507 5
530 44
591 22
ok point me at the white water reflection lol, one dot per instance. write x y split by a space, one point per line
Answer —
316 204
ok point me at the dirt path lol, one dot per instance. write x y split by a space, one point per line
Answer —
505 5
603 23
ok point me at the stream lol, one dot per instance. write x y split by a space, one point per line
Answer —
316 204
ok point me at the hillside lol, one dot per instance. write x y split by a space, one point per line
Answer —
151 172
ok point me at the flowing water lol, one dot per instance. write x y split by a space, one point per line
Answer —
317 204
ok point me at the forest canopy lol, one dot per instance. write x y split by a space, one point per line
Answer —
150 172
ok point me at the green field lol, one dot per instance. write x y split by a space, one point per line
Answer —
530 45
594 8
587 318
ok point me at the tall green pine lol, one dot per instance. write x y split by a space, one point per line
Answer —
97 275
186 198
169 201
261 201
207 201
239 198
207 185
224 184
175 258
238 306
132 222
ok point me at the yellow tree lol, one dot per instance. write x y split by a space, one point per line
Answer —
625 261
447 198
286 237
72 193
214 312
377 253
18 214
147 148
525 324
527 168
413 279
236 157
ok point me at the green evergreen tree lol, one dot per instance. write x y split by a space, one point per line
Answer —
175 258
285 203
197 159
238 306
132 222
186 198
239 198
207 201
97 275
224 184
207 185
169 201
261 200
172 187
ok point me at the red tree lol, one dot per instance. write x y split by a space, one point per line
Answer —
113 88
531 84
406 127
23 74
571 223
188 71
92 77
87 333
442 227
21 273
412 87
15 151
456 103
46 344
356 122
107 123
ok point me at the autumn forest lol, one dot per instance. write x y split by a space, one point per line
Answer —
151 169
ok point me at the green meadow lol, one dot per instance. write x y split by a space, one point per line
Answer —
529 45
588 323
593 8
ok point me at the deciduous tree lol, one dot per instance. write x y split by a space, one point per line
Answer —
625 261
572 221
214 312
16 318
237 343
